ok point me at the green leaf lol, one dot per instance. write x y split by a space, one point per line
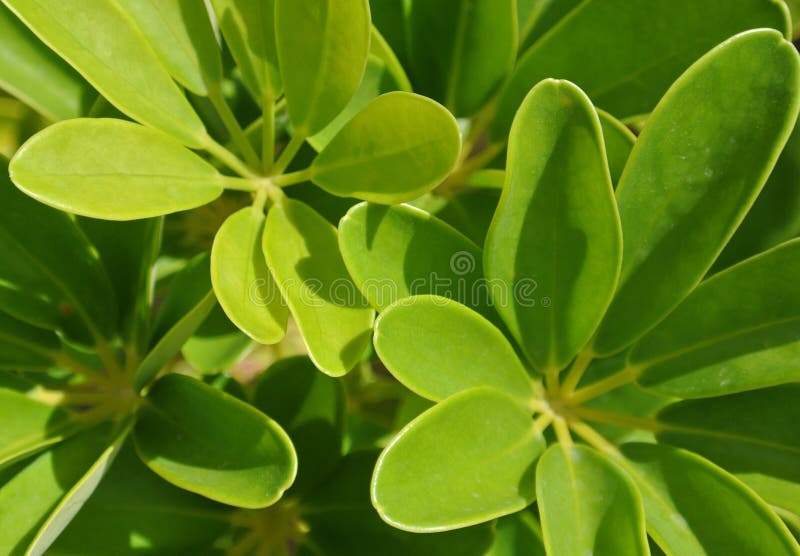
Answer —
24 347
243 284
302 252
554 245
396 148
50 275
695 508
181 35
453 349
517 534
537 17
113 169
380 48
29 426
135 512
310 406
322 48
113 55
588 504
249 30
217 345
395 252
619 141
626 53
737 331
37 76
752 435
30 495
467 460
342 522
698 165
461 50
208 442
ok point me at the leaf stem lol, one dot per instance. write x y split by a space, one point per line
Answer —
288 153
232 125
267 134
292 178
64 360
229 159
562 431
618 419
592 437
623 377
576 371
542 422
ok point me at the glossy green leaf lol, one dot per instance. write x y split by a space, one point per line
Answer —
243 284
49 274
752 435
467 460
68 166
588 504
208 442
24 347
322 48
29 426
310 406
517 534
249 30
461 50
181 35
695 508
452 349
626 53
113 55
135 512
36 75
217 345
721 126
302 252
30 495
395 252
737 331
396 148
342 522
554 246
619 141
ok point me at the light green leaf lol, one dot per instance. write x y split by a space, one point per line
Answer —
461 50
24 347
322 48
395 252
752 435
181 35
310 406
243 284
588 504
467 460
437 347
619 141
517 534
720 138
113 55
626 53
249 30
113 169
30 495
302 252
695 508
37 76
208 442
396 148
29 426
217 345
50 275
737 331
554 245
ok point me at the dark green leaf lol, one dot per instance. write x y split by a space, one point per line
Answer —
24 347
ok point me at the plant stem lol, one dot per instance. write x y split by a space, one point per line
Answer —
575 373
232 125
229 159
625 376
542 422
562 431
267 135
619 420
300 176
241 184
76 366
288 153
592 437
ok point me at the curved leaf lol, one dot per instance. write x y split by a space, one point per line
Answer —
113 55
380 48
302 252
720 148
619 141
626 53
113 169
739 330
321 66
556 230
461 50
588 504
217 345
467 460
396 148
437 347
695 508
516 534
208 442
243 284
